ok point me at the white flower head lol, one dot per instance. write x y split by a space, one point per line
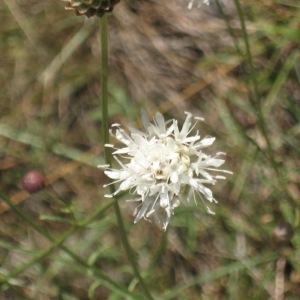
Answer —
165 166
191 3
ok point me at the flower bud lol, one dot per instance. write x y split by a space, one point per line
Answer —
33 181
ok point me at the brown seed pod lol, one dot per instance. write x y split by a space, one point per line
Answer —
33 181
91 7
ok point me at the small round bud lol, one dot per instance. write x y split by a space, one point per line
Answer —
283 233
33 181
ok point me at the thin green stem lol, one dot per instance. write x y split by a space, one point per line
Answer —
256 102
257 99
104 86
43 254
104 105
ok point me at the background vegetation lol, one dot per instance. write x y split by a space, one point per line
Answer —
63 242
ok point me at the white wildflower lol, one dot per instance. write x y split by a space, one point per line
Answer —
191 3
165 166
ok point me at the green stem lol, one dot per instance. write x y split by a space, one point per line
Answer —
256 102
43 254
104 86
104 105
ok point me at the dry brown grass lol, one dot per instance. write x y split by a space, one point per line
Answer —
163 57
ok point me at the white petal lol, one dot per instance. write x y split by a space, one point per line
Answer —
109 145
108 195
145 119
121 151
103 166
123 137
214 162
126 184
206 192
205 174
160 121
191 139
199 119
186 125
164 199
112 174
138 139
207 141
174 177
142 211
176 129
116 174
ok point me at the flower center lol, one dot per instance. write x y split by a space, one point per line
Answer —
160 169
173 163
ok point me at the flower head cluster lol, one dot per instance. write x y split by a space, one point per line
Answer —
91 8
165 166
